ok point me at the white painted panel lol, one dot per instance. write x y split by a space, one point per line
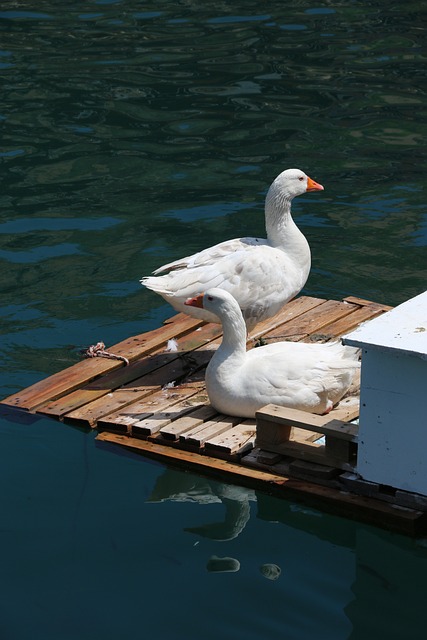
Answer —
403 328
393 420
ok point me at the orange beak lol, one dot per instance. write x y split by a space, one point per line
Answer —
314 186
197 301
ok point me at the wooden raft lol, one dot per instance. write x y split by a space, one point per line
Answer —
157 405
161 393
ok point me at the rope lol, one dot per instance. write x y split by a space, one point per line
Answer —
98 351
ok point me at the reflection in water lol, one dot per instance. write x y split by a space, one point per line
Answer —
367 563
180 487
237 513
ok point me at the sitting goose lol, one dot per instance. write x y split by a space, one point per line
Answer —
261 274
306 376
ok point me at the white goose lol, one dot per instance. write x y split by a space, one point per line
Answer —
306 376
261 274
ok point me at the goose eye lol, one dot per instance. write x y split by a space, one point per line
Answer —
210 298
301 178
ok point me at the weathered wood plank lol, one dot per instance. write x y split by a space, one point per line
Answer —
100 387
346 323
82 372
131 393
312 321
303 434
292 310
312 471
272 415
163 400
175 406
190 459
197 436
362 302
174 430
237 440
287 466
311 451
152 424
104 385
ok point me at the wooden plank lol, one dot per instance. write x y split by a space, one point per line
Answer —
237 440
172 432
362 302
203 338
131 393
190 459
152 424
289 467
346 504
301 435
347 323
312 321
326 424
311 470
311 451
105 385
160 401
278 432
268 458
292 310
346 410
60 383
82 372
197 436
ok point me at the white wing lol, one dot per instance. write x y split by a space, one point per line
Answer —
300 374
260 277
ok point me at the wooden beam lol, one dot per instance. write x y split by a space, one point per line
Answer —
198 416
362 302
327 424
237 440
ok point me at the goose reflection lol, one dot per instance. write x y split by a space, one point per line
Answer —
179 487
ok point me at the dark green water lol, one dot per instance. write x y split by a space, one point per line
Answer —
132 134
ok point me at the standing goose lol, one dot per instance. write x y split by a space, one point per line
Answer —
261 274
306 376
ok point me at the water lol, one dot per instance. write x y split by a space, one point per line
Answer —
133 134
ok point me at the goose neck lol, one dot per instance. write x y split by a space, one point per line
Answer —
234 334
278 219
282 232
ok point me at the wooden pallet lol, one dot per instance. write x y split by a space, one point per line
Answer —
161 394
284 431
157 405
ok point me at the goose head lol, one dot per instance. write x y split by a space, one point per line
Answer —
292 183
217 301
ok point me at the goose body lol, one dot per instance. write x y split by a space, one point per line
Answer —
306 376
261 274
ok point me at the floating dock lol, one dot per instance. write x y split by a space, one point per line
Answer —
157 405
